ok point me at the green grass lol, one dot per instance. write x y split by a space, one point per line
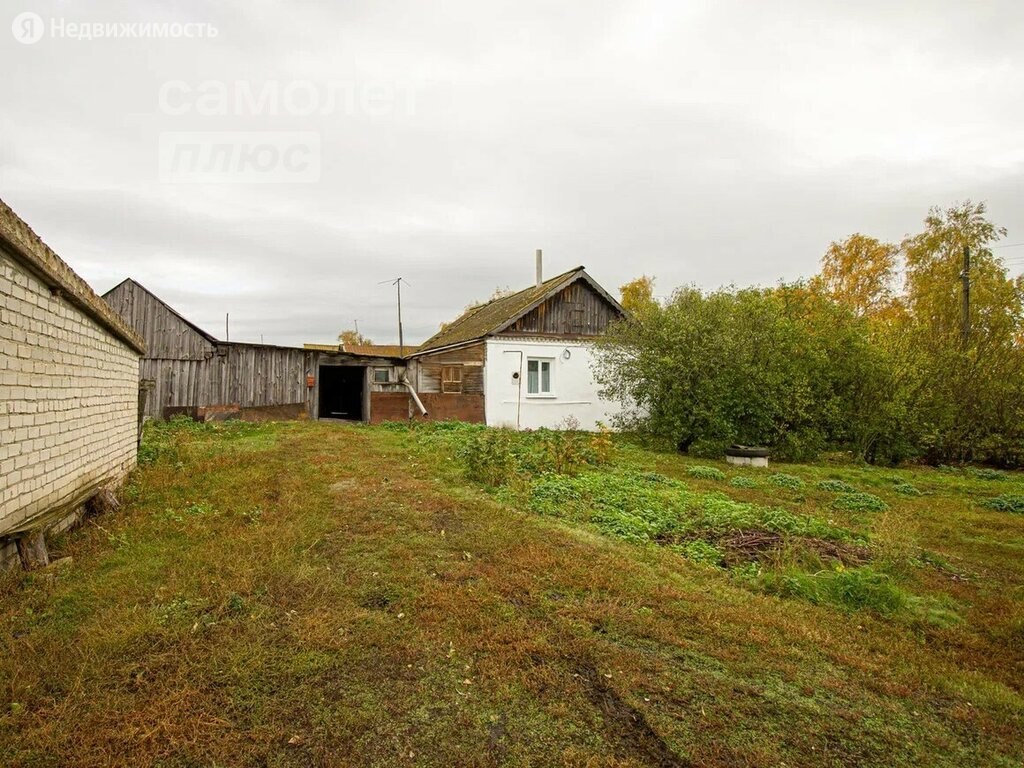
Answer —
316 594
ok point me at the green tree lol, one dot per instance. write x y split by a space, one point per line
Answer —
765 366
971 395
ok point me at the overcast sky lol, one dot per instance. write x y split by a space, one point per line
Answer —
705 143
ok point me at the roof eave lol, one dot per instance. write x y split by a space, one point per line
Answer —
50 275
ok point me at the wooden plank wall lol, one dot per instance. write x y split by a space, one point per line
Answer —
167 336
471 358
577 310
236 374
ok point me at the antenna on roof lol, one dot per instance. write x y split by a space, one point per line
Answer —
397 282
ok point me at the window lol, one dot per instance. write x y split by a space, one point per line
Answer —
538 376
381 375
576 317
451 378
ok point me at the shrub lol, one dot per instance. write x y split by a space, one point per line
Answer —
707 448
854 589
719 515
742 481
566 452
836 486
783 480
497 456
553 495
491 457
653 477
906 489
699 551
706 473
985 473
859 502
1006 503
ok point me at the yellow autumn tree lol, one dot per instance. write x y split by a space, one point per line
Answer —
353 338
638 295
860 273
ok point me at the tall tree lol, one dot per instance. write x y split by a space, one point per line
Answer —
971 394
860 273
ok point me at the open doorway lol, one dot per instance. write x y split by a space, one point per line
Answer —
341 392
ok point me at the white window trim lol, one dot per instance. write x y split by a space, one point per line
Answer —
541 395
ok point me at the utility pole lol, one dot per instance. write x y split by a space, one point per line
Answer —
397 282
227 326
965 276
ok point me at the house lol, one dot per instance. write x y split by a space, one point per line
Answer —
521 361
69 393
192 372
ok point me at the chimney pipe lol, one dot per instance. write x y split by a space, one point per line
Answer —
540 266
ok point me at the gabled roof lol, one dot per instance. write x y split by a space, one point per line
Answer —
26 246
498 314
208 336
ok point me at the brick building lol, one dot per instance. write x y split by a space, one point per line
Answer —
69 390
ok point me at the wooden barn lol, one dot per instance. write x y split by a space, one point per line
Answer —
189 371
69 394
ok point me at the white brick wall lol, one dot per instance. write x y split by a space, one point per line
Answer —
68 399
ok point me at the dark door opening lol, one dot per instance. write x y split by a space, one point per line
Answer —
341 392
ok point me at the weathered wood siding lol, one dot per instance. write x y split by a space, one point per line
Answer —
247 375
167 335
577 310
471 359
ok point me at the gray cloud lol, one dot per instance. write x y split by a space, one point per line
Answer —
724 143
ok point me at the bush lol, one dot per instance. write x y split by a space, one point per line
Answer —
706 473
836 486
985 473
496 457
1006 503
859 502
783 480
854 589
699 551
906 489
708 448
492 457
742 481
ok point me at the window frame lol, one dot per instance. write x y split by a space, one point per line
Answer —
541 362
451 385
386 371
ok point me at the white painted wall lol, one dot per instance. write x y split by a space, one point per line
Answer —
68 400
574 391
